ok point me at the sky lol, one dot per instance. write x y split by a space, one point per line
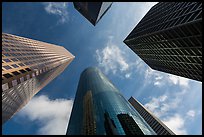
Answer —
175 100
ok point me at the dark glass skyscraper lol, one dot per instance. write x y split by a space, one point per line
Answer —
92 11
100 109
157 125
169 38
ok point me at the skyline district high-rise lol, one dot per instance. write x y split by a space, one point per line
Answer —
92 11
169 38
100 109
157 125
28 66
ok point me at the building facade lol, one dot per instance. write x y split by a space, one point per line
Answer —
157 125
169 38
97 108
28 66
92 11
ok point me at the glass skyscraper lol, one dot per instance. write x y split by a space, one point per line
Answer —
169 38
100 109
92 11
28 66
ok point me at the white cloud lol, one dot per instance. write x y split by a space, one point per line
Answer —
162 78
191 113
53 114
59 9
114 59
161 107
178 80
177 103
127 75
158 106
111 58
157 83
154 77
163 98
176 124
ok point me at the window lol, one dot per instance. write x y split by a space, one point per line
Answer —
21 64
7 75
13 50
28 69
16 73
27 63
14 65
14 59
7 60
20 59
7 67
22 71
6 49
6 54
13 54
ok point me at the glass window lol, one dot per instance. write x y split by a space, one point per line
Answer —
16 73
28 69
6 54
14 59
21 64
27 63
13 50
7 67
13 54
7 75
6 49
14 65
22 71
7 60
19 58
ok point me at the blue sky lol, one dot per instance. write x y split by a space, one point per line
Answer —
177 101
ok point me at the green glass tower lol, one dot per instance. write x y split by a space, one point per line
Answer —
100 109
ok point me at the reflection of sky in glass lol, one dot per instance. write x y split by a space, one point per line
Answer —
105 98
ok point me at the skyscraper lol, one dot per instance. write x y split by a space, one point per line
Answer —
157 125
92 11
28 66
169 38
100 109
